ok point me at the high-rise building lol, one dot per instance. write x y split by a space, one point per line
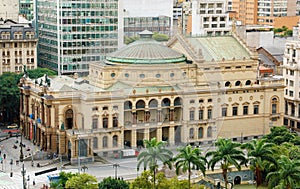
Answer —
26 9
209 17
263 12
246 11
291 73
73 34
18 44
154 15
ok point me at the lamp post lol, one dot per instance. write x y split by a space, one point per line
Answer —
79 155
116 169
23 171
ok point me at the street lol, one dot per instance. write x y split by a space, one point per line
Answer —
125 168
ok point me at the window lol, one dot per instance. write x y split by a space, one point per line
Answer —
291 93
209 132
291 83
291 72
192 115
115 141
95 108
95 142
95 123
191 133
200 114
224 111
192 101
209 113
274 105
115 121
104 142
255 109
200 132
105 122
234 111
245 110
209 100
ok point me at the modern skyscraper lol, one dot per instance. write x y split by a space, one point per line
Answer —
73 34
26 9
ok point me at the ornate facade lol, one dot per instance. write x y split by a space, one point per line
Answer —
191 91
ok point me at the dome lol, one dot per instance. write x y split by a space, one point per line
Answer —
146 52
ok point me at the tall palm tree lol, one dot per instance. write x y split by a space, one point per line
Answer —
187 158
155 151
287 176
227 153
258 152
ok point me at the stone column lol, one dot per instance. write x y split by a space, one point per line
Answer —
133 138
159 134
172 136
48 141
147 134
43 113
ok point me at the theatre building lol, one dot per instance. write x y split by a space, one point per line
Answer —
190 91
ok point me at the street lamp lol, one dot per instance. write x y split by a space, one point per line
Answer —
23 173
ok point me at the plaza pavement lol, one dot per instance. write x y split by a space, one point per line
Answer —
126 167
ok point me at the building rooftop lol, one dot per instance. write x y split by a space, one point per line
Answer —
218 48
146 51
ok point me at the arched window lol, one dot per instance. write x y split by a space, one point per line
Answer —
274 105
104 142
127 105
238 83
209 132
200 132
140 104
227 84
95 143
177 101
115 141
165 102
248 82
69 119
153 103
191 133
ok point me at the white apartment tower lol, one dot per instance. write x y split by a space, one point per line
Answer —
209 17
291 73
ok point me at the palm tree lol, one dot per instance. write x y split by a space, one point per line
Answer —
228 153
287 175
258 152
187 158
155 151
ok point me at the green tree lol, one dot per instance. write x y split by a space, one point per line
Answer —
155 151
112 183
9 97
187 158
280 135
64 177
40 72
145 179
82 181
259 151
227 153
160 37
287 176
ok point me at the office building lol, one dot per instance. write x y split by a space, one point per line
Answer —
74 34
154 16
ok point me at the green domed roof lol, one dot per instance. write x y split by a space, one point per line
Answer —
146 52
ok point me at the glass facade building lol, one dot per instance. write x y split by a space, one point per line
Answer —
27 9
73 34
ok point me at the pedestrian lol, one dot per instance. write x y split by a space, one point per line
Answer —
33 182
0 152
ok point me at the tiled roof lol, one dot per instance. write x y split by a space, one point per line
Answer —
217 48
